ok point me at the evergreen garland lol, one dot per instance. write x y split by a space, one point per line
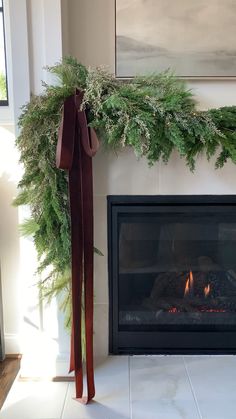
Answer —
153 115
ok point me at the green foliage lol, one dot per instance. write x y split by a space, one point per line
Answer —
3 87
225 121
29 227
154 115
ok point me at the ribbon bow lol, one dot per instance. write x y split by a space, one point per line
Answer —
77 144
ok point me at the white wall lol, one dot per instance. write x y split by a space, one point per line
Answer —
92 40
45 39
10 171
45 343
34 40
9 239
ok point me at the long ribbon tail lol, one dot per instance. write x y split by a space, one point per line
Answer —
75 191
89 146
87 183
67 157
72 350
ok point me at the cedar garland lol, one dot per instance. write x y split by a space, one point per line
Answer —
154 115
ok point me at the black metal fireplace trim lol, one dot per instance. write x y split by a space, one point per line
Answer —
120 342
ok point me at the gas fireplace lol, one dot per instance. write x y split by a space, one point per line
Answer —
172 274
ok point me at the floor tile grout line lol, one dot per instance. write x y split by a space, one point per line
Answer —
64 403
192 389
130 401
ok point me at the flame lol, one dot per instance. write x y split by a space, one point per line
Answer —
189 285
191 280
207 290
173 310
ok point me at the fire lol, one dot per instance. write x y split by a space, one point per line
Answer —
207 290
173 310
189 285
213 310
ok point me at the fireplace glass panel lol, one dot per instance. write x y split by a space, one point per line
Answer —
177 270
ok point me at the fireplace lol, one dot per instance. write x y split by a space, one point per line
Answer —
172 274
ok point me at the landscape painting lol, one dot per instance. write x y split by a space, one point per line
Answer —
194 38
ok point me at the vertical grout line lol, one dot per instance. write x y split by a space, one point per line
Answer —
130 401
64 403
192 389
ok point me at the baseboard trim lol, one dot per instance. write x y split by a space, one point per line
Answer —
56 379
12 344
13 356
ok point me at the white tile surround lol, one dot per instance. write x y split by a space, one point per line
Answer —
123 174
138 387
120 174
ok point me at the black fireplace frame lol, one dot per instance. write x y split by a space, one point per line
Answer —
160 342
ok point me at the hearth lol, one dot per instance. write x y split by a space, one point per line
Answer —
172 274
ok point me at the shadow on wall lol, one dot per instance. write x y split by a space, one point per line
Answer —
9 238
28 325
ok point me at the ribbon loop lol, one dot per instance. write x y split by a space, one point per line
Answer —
65 148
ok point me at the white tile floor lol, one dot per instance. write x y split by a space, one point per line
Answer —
139 387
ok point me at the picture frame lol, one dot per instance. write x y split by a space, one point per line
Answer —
195 39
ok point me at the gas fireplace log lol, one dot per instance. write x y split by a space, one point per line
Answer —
165 281
175 283
171 283
167 304
190 304
231 275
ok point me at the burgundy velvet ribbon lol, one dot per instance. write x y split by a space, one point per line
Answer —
77 144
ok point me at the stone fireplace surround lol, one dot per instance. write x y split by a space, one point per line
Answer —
124 174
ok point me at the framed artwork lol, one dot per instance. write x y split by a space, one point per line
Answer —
194 38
